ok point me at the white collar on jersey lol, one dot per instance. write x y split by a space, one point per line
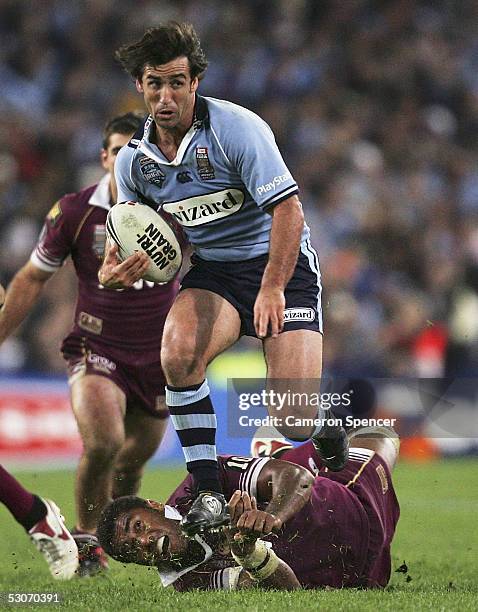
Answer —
170 576
151 150
101 195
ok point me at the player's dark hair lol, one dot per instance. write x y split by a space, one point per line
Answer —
160 45
105 530
122 124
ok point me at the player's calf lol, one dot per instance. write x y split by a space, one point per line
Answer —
126 482
382 440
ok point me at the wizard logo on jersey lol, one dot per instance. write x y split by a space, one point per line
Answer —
205 169
151 171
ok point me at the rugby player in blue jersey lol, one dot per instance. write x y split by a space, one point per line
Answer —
216 168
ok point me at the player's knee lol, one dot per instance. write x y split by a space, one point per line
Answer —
180 362
102 450
131 471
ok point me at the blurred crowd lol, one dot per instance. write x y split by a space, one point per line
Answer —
374 105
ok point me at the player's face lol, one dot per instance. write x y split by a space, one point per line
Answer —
108 155
168 92
147 537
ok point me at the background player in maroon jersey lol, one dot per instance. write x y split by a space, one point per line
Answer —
326 528
112 352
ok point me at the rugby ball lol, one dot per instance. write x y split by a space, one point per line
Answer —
137 227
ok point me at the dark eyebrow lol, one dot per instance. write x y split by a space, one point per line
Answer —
173 76
126 525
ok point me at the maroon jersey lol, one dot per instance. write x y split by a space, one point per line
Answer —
126 320
334 540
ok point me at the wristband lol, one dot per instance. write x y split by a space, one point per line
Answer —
260 563
253 559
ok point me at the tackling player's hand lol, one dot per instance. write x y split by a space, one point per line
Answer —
248 520
269 311
241 544
239 503
117 274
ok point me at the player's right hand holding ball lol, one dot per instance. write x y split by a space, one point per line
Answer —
117 274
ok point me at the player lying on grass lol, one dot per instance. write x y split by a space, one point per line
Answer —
294 524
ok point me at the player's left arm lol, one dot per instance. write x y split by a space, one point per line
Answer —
250 146
285 237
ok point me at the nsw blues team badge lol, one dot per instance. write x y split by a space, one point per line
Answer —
151 171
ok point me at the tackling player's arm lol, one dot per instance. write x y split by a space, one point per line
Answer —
260 564
285 488
286 232
52 248
21 295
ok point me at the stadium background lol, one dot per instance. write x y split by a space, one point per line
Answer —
374 104
375 107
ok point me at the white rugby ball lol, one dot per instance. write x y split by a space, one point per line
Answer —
137 227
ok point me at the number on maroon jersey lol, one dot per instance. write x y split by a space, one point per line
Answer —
239 464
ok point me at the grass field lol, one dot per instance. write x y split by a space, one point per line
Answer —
437 538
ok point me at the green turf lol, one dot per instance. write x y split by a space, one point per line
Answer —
437 538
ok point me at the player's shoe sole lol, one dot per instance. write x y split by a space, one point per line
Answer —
332 446
55 543
208 513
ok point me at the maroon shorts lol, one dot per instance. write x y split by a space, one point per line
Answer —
141 381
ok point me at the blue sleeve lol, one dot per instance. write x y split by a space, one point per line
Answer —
250 146
123 172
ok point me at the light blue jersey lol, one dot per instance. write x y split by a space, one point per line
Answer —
227 174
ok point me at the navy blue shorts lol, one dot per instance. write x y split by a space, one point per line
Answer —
239 282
